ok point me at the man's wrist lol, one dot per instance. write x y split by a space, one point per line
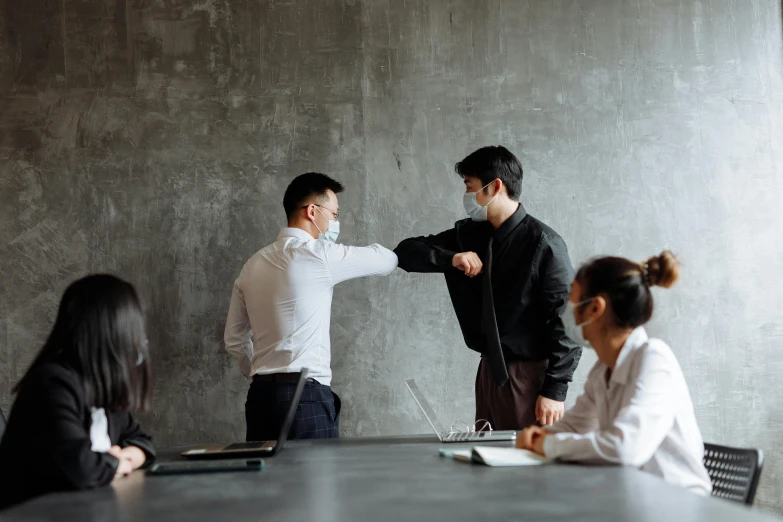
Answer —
556 391
445 258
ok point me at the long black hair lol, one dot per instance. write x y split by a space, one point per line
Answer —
99 332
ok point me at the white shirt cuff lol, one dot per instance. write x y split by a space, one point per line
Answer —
550 446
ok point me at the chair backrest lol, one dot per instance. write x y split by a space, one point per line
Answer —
2 424
734 471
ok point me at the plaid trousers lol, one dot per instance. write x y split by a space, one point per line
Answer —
317 416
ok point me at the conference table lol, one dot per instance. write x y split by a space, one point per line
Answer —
399 479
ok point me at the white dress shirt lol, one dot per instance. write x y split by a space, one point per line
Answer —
641 416
99 431
281 306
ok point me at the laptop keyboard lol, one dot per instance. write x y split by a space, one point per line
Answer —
245 445
459 437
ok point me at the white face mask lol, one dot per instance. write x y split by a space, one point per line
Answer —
572 330
332 232
475 211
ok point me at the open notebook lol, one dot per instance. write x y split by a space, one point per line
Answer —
490 456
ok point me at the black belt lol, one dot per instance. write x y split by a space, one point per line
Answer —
278 377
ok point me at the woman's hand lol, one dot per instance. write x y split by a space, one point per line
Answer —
130 458
134 455
532 438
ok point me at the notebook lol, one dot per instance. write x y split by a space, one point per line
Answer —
491 456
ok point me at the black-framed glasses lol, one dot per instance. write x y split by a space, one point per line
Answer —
336 213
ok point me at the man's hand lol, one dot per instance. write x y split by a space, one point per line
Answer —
468 262
548 411
532 438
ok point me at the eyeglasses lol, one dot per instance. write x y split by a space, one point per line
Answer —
335 212
140 357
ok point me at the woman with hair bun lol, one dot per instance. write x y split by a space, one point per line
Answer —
636 409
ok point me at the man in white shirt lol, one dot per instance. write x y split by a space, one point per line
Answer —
279 317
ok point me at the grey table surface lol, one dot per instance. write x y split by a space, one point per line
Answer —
386 479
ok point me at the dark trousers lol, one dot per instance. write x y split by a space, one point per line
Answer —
513 405
317 416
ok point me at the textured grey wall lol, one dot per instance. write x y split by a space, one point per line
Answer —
154 140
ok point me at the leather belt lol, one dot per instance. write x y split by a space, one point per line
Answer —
278 377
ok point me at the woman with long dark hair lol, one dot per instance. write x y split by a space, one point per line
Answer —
636 409
70 427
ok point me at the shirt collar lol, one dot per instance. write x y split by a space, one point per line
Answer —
637 338
510 224
295 232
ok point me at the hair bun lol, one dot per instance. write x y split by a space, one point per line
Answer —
663 270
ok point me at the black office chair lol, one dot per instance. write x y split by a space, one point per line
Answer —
2 424
734 472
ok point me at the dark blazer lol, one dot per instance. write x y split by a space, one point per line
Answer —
46 445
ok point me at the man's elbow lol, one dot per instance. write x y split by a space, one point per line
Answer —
233 348
391 262
385 262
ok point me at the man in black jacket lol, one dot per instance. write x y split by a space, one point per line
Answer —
509 277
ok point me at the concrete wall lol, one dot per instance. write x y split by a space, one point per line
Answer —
154 140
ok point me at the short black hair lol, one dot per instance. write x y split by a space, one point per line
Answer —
99 332
304 187
491 163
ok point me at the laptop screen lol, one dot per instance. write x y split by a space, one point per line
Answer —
426 409
289 417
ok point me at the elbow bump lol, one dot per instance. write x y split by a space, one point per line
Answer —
390 263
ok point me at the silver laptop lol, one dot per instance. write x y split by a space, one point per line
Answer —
253 449
449 436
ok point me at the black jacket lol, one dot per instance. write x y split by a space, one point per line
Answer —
531 281
46 445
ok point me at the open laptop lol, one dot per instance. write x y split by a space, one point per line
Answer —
447 436
253 449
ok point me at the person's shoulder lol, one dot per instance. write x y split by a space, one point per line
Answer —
547 232
322 245
470 227
52 378
278 244
257 256
657 346
656 353
52 371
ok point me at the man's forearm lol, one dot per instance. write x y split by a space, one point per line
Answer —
417 254
562 365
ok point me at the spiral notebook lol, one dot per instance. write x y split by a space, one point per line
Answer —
496 457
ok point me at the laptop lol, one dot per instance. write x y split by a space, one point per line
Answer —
253 449
451 436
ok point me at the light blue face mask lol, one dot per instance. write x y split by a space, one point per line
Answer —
332 232
475 211
572 330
